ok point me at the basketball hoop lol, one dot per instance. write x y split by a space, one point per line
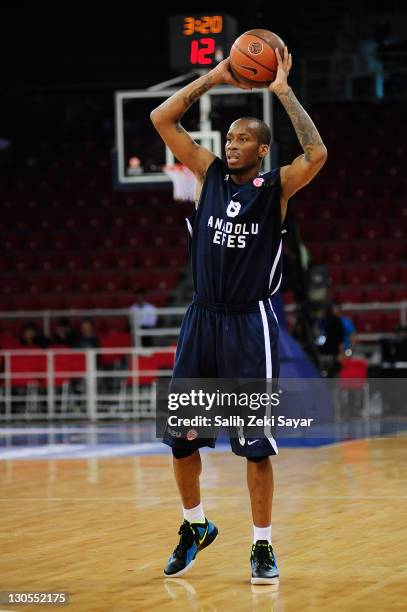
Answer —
184 182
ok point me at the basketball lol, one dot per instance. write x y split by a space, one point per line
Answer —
252 57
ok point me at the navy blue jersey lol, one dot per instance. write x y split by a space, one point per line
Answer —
236 238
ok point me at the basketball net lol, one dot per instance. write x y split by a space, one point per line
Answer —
183 181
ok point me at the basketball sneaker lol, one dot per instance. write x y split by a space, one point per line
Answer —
264 564
194 538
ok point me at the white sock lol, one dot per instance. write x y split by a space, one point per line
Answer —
261 533
194 515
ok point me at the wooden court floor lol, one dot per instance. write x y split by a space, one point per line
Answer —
101 529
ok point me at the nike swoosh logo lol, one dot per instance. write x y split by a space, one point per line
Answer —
250 442
204 535
254 71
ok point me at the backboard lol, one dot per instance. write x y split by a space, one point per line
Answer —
207 121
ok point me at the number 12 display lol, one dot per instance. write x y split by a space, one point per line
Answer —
200 41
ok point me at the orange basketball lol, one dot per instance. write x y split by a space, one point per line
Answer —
252 57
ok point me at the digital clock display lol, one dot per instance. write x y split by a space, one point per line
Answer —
209 24
200 41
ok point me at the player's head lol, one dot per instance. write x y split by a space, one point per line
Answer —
247 144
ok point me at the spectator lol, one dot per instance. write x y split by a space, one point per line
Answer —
395 349
87 337
329 340
63 333
31 337
349 332
134 168
143 316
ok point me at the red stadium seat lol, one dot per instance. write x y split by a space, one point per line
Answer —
352 373
28 369
165 281
372 230
26 302
62 241
345 230
316 231
150 258
124 260
397 230
50 301
336 274
138 279
391 321
143 370
111 281
131 238
364 252
73 261
400 294
351 295
165 359
386 274
371 322
125 299
378 294
47 263
75 301
11 242
316 250
9 341
175 258
103 300
403 276
158 298
69 366
114 339
36 284
59 283
392 251
337 252
24 262
10 285
357 275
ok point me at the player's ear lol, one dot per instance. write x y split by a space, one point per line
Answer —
263 150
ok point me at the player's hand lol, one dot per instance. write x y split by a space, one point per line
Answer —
283 70
223 72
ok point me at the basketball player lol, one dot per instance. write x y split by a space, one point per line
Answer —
230 330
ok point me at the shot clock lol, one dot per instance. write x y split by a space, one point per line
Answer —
200 40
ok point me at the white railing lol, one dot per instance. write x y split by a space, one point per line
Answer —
72 384
46 316
65 384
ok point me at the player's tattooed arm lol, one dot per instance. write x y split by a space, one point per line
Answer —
304 127
167 116
196 93
305 167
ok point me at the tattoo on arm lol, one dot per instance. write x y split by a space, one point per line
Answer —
190 99
197 93
304 127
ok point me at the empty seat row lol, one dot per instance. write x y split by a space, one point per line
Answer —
92 218
89 282
359 274
364 252
93 239
79 301
358 295
119 259
323 231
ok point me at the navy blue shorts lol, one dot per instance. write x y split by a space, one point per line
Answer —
224 341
